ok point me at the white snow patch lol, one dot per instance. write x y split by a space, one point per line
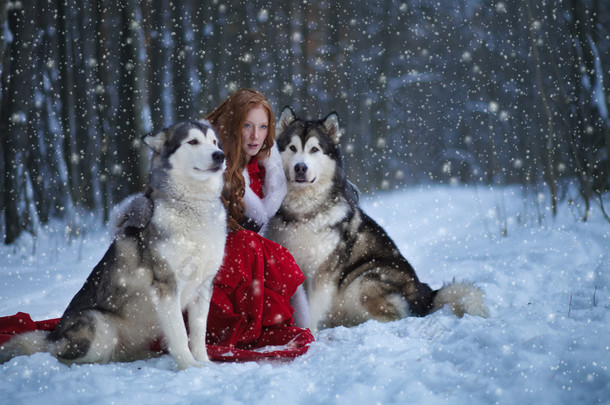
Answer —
546 340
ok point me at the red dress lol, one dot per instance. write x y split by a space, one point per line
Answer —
250 307
250 314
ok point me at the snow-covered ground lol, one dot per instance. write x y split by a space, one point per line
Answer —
547 284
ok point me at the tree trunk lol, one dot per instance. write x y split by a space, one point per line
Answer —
16 73
127 167
549 136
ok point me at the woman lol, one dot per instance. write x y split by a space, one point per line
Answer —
259 283
255 184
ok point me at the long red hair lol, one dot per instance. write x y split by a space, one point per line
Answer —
228 119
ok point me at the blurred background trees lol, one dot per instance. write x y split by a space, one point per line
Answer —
468 91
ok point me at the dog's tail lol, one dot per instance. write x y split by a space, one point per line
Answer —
24 344
463 298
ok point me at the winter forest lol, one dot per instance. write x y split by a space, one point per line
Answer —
473 91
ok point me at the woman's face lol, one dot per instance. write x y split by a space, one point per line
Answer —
254 131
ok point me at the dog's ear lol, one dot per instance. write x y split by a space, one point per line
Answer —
286 118
203 124
155 140
331 124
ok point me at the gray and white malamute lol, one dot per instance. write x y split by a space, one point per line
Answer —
154 271
354 272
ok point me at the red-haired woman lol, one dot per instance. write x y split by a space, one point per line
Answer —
259 283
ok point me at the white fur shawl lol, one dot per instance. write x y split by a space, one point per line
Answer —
274 190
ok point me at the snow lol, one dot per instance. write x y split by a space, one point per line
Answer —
546 282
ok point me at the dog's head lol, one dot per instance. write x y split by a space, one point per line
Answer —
310 149
189 150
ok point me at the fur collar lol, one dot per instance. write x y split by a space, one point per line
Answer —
274 190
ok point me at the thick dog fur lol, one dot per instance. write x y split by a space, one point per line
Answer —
152 271
354 272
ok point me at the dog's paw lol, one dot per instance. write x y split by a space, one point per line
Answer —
183 365
186 361
201 355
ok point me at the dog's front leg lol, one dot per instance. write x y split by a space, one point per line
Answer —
198 311
320 303
174 331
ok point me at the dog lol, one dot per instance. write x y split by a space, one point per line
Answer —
353 270
152 271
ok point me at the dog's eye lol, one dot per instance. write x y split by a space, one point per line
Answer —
293 148
314 150
193 142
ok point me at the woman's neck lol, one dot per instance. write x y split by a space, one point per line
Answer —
251 159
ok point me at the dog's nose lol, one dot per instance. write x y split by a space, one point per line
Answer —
300 168
218 157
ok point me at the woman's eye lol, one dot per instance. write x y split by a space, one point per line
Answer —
314 150
264 126
193 142
246 125
293 148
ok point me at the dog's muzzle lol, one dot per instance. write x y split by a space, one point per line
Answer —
300 173
218 159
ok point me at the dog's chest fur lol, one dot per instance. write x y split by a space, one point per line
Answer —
196 245
311 242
